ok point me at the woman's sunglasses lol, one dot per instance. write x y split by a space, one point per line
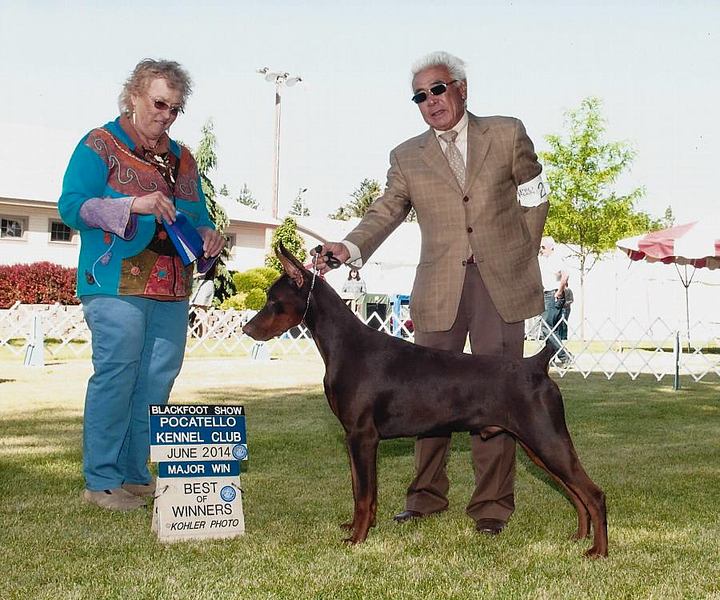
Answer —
437 90
174 109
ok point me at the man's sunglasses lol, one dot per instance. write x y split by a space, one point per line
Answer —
437 90
174 109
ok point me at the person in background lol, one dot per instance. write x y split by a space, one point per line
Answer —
354 286
200 300
476 186
124 181
568 299
554 279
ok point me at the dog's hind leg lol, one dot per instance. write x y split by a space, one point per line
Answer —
583 528
362 449
558 457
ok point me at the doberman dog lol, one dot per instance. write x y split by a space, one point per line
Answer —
381 387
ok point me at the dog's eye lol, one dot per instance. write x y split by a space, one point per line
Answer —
276 307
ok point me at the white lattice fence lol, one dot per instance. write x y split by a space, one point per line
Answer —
63 327
630 348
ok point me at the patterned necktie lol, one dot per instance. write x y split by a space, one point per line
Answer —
454 158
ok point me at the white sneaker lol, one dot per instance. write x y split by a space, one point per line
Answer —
117 499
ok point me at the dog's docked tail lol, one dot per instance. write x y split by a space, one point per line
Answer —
542 358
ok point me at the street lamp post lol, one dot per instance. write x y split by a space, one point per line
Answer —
279 78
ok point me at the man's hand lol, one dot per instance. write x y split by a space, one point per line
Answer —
157 204
338 250
213 241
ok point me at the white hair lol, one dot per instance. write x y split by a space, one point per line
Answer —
440 58
547 242
145 72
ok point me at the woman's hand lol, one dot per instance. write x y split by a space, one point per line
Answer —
157 204
213 241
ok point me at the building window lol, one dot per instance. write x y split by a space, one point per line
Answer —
231 241
59 232
12 227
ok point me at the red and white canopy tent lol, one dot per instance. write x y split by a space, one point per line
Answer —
695 245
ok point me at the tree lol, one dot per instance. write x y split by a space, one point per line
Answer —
299 208
246 197
668 218
286 233
584 209
368 191
206 159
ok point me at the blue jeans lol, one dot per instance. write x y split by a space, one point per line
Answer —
551 317
138 346
562 329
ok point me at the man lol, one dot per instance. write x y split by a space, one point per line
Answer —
200 300
569 298
554 279
481 206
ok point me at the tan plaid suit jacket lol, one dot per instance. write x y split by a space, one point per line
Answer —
484 219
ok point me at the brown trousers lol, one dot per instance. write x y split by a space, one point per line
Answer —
493 459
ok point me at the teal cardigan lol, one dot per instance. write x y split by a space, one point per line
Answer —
103 166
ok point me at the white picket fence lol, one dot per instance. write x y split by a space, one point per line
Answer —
631 348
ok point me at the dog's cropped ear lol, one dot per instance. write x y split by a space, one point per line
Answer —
290 265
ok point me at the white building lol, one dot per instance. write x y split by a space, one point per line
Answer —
32 231
616 290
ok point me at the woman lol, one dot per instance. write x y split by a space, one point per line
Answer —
125 180
354 284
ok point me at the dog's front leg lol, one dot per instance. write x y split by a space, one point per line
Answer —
362 449
350 525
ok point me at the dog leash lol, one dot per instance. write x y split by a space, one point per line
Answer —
312 283
331 261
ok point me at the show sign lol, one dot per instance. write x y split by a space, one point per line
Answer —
198 449
197 432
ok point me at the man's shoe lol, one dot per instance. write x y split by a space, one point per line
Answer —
140 489
489 526
409 515
117 499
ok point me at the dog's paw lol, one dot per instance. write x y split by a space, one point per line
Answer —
595 552
579 535
356 538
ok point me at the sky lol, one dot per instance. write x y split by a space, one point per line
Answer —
655 66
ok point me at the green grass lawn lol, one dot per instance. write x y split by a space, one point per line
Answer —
655 452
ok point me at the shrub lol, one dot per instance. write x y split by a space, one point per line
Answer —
252 286
259 277
255 299
37 283
286 233
236 301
